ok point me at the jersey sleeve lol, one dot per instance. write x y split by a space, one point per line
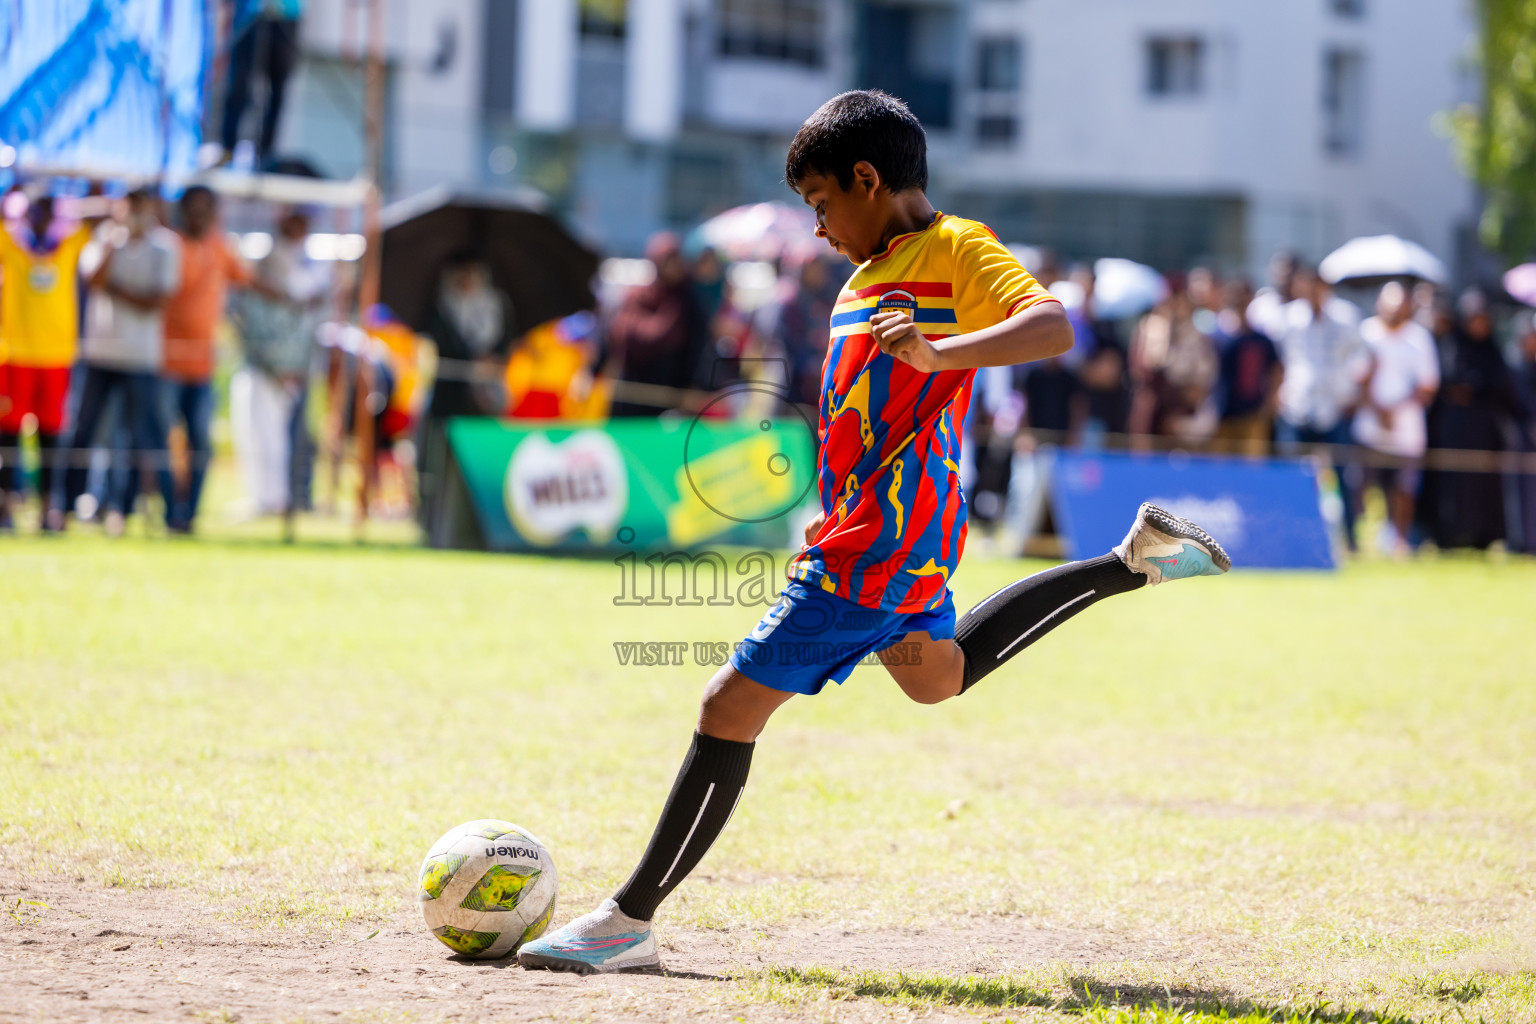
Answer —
990 283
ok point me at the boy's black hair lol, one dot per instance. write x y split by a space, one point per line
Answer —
865 124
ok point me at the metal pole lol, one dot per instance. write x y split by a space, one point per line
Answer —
368 289
344 285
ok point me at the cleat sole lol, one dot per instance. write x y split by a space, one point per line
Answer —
536 961
1175 526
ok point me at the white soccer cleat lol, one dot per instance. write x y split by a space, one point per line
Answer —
602 942
1162 546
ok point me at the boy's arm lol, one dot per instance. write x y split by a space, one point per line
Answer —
1039 331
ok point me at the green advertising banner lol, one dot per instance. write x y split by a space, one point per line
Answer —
628 483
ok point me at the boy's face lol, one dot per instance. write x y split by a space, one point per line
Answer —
849 219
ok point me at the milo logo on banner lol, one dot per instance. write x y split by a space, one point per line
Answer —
555 488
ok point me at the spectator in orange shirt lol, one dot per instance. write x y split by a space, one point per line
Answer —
208 267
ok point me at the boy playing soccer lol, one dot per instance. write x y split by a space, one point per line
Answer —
933 298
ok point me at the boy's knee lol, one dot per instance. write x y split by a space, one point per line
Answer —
933 696
933 691
714 703
736 708
936 675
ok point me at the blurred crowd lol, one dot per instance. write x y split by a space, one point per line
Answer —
1370 382
122 325
1215 366
111 323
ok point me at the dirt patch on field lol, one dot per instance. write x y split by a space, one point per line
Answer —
113 955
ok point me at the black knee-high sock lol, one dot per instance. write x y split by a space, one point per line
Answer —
1021 613
712 779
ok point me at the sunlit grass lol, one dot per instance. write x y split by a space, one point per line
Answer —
1326 780
1074 997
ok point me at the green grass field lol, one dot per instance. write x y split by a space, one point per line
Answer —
1271 796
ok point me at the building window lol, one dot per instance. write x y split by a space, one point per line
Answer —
999 80
912 51
997 131
786 30
1175 66
604 18
1347 8
997 65
1343 102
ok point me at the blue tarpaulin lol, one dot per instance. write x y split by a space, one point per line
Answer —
104 86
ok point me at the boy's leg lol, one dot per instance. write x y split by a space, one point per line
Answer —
617 936
1159 547
711 781
927 670
1021 613
930 671
736 708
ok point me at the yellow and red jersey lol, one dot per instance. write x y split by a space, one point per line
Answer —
39 301
888 464
547 376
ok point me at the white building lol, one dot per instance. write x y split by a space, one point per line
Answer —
1217 127
1173 132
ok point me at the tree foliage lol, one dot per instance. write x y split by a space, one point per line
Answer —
1497 142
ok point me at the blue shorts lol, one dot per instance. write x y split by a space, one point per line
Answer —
811 637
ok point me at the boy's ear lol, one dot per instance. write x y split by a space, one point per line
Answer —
866 179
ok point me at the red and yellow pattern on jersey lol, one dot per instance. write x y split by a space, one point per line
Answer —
888 463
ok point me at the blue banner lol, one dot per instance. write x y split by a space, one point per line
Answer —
1265 513
104 86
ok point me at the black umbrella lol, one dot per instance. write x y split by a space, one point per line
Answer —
546 272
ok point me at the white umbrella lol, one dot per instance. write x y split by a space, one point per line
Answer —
1069 293
762 231
1124 288
1520 282
1381 256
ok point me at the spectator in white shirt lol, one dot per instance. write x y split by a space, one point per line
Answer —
1397 382
121 354
1320 349
1266 312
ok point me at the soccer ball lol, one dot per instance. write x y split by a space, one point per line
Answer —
486 888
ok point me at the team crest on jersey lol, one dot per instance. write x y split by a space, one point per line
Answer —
42 277
897 300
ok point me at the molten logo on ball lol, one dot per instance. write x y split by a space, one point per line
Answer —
484 899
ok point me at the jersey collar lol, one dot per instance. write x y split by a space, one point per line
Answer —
896 242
